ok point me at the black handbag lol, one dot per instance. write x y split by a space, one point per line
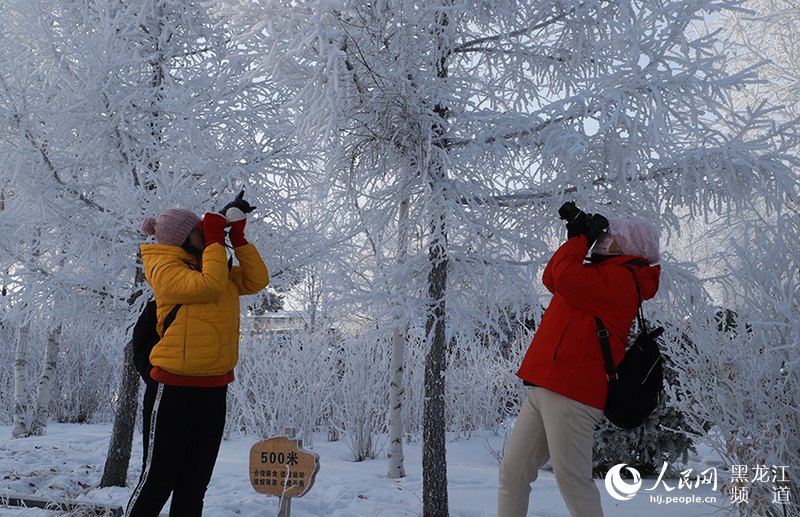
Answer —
636 384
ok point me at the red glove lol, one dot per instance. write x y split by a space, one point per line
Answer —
214 228
237 233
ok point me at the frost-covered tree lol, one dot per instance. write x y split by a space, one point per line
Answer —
763 34
484 116
112 111
753 349
753 269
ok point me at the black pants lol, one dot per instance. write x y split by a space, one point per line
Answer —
182 432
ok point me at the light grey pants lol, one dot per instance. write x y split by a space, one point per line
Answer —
550 425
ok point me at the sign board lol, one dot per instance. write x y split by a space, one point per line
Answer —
278 466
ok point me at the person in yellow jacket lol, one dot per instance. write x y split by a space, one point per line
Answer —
184 401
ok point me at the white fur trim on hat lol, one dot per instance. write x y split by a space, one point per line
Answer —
635 236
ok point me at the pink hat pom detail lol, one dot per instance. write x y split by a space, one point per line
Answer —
149 226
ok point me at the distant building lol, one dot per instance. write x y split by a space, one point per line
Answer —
276 323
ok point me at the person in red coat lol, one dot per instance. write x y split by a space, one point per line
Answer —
564 366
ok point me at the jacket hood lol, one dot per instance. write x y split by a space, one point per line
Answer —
647 276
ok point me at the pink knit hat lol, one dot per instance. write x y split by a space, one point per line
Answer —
636 237
171 227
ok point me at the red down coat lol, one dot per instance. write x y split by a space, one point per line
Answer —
565 354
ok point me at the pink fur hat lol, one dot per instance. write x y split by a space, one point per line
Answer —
635 236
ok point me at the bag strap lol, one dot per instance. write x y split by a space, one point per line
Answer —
602 331
605 346
170 318
639 311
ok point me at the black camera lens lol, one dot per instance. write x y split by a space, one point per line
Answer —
569 211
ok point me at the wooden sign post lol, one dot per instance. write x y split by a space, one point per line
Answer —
279 467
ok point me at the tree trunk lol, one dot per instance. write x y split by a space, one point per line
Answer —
118 458
20 429
44 390
396 394
397 366
115 471
434 454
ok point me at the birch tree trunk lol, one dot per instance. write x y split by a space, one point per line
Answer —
397 366
44 390
115 471
396 394
20 429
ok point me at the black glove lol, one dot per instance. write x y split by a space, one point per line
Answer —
595 225
237 209
578 226
568 211
575 217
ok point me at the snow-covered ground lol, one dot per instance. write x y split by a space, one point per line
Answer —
68 462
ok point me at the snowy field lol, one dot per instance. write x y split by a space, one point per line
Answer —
68 461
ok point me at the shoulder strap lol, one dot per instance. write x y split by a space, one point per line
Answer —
170 318
639 312
602 331
605 346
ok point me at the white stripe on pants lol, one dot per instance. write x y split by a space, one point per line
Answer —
550 426
148 462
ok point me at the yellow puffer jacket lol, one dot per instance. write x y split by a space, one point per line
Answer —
203 340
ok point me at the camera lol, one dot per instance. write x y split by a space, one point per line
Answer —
581 223
569 212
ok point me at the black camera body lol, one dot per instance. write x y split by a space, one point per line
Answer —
569 212
581 223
